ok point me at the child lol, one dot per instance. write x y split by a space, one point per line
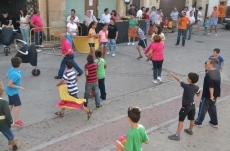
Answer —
91 37
216 54
70 78
165 25
137 131
13 87
101 73
91 81
188 105
170 25
103 36
6 121
206 26
143 42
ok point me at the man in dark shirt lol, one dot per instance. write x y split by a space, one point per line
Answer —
131 11
112 37
211 90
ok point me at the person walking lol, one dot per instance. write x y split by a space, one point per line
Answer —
214 20
24 26
190 26
174 15
67 54
199 20
112 37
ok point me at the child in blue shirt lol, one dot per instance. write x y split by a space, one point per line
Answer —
206 25
216 54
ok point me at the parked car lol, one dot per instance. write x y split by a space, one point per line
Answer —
226 21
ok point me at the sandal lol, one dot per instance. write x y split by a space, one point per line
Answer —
89 114
59 113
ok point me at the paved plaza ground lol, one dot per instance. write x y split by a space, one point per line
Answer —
128 82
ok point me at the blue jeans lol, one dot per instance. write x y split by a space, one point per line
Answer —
189 31
63 66
95 88
69 38
111 45
8 134
39 37
26 34
181 32
157 68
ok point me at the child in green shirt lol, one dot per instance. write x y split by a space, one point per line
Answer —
101 73
136 135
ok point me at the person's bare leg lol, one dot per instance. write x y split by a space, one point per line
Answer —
15 42
215 29
179 127
138 50
129 39
11 107
63 111
16 113
85 109
192 123
211 28
133 39
102 50
93 52
105 50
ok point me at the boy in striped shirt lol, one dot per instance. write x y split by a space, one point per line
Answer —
70 78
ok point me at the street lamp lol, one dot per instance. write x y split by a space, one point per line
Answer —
127 2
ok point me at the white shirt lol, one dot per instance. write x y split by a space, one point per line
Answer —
187 13
76 20
105 18
192 19
23 19
72 27
199 16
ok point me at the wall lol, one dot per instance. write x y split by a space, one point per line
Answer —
78 5
102 4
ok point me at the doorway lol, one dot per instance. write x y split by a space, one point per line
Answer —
92 6
168 6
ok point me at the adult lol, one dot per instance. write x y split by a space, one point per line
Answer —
73 14
199 20
214 20
147 20
161 17
37 23
72 30
6 21
157 56
24 26
174 16
132 29
132 10
190 26
67 54
105 18
183 21
114 15
157 17
186 11
158 31
89 18
211 91
112 37
153 15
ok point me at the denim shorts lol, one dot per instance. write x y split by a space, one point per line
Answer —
14 100
103 43
8 134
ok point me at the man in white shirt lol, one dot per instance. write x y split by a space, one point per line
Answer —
190 26
106 16
186 11
73 14
89 18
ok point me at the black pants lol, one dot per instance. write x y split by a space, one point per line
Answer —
157 68
101 84
207 104
183 33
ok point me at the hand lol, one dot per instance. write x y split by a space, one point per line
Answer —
21 88
213 99
170 74
63 56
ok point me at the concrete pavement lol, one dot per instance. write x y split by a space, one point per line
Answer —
128 82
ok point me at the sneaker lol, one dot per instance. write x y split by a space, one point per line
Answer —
214 126
19 123
176 44
159 78
188 131
133 43
4 46
200 126
155 81
128 44
139 57
108 53
174 137
215 34
98 107
113 54
16 47
57 77
38 50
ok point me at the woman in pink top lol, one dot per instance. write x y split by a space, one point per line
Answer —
114 15
103 36
156 54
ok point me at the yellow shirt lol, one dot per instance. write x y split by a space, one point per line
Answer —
161 35
170 24
92 33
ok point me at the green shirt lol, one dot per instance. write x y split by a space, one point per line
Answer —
5 124
132 22
135 138
101 68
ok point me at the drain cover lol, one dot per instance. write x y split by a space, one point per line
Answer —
199 41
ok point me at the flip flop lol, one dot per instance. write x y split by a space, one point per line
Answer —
89 114
59 113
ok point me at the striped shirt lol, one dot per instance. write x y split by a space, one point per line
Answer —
70 78
91 68
141 33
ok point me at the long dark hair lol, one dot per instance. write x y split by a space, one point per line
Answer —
24 13
91 24
159 30
115 13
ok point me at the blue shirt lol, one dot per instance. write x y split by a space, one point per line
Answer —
206 24
70 78
13 75
220 60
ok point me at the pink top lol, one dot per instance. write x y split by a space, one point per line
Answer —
65 46
103 37
37 21
158 51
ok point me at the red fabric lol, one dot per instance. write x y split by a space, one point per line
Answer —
70 105
150 29
65 46
146 16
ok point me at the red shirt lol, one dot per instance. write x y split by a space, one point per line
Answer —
92 72
146 16
37 21
65 46
158 51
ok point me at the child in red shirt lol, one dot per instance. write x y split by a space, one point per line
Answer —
165 25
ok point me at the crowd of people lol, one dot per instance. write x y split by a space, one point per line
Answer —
95 68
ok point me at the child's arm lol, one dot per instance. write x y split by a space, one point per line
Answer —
119 145
147 142
76 79
198 92
105 66
86 73
61 82
11 85
175 77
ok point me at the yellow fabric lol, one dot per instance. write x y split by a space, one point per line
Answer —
170 24
82 45
64 95
2 117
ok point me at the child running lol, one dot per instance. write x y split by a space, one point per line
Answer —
137 134
143 41
70 78
13 88
206 26
101 73
91 37
6 121
103 36
188 104
216 54
165 25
